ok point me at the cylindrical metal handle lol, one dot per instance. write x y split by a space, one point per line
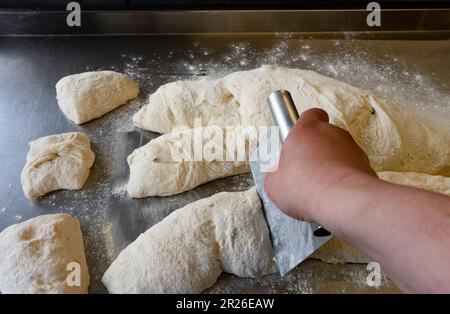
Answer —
286 115
283 111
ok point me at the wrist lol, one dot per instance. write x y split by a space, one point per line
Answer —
343 197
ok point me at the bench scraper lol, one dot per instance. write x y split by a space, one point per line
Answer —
293 240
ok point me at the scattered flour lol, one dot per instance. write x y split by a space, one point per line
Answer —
120 191
312 277
384 74
107 231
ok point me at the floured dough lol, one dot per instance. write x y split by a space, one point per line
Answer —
434 183
86 96
179 103
35 255
155 171
337 251
392 138
188 250
401 148
57 162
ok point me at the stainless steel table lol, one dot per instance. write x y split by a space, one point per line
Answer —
412 73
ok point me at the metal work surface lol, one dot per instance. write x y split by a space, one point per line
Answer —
413 74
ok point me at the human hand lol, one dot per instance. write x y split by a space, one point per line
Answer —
315 156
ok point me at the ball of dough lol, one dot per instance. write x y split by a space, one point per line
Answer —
38 256
86 96
57 162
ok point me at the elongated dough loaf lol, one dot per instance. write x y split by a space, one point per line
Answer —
57 162
393 139
36 256
167 164
86 96
188 250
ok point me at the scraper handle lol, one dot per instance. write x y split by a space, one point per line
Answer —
285 115
283 111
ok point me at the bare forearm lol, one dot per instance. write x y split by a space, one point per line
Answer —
406 230
324 176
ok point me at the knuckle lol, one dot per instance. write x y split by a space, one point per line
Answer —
315 114
269 184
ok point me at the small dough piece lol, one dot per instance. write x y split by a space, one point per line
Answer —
158 168
36 254
86 96
188 250
57 162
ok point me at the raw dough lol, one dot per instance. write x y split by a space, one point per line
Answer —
86 96
434 183
179 103
401 148
36 252
188 250
393 139
155 171
337 251
57 162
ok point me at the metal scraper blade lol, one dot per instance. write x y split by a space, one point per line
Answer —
293 240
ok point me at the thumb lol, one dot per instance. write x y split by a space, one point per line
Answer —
271 185
268 184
